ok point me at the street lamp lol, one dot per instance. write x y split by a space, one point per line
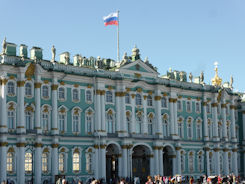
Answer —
30 142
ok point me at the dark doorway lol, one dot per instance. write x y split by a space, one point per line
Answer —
112 153
167 161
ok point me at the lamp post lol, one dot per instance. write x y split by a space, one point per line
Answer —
30 142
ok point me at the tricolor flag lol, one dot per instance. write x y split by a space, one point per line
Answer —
111 19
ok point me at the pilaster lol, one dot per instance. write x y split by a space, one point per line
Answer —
3 157
217 159
54 156
215 118
145 121
233 121
21 128
234 160
21 160
205 121
37 86
224 122
3 120
159 127
38 161
54 87
225 160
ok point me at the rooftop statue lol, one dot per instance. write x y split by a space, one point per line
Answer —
4 44
53 53
181 76
80 60
202 78
67 59
231 82
190 77
216 81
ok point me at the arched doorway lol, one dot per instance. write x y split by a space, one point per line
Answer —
168 154
112 153
141 162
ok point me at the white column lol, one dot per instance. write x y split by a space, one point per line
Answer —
96 162
160 156
118 112
178 160
234 161
159 128
205 121
3 120
54 128
207 161
171 108
103 123
152 165
120 167
124 161
174 164
38 162
97 111
156 159
3 158
37 86
54 159
175 116
20 103
145 121
123 116
103 161
233 122
215 118
133 125
217 161
225 161
21 161
223 113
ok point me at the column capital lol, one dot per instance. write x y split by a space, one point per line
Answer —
157 98
172 100
55 145
216 149
233 107
215 104
20 83
38 145
3 144
223 105
177 148
204 103
206 149
21 144
225 150
54 87
3 81
37 85
120 94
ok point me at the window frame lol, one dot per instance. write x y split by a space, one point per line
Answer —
89 101
78 95
30 90
109 97
48 91
13 94
60 98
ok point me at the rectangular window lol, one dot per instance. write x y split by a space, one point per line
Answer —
76 162
179 105
188 106
89 124
45 121
61 162
127 99
10 162
198 109
75 123
11 119
44 162
62 122
28 120
88 162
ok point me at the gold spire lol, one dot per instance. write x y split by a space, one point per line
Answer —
216 81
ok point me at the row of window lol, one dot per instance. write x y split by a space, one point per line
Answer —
46 162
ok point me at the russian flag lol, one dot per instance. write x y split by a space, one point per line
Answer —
111 19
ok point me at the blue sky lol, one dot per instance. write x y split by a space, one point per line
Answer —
186 35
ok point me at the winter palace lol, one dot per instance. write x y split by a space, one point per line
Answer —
79 117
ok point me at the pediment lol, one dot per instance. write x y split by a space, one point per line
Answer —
138 67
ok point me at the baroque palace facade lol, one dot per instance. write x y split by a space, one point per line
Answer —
95 117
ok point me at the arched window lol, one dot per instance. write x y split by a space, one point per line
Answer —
228 130
164 102
127 98
229 161
211 162
189 128
179 105
180 127
45 91
199 129
62 120
76 120
198 109
210 130
61 93
89 162
165 126
10 162
208 108
109 97
11 116
45 121
109 119
150 124
88 96
76 161
237 132
128 119
28 162
11 88
149 100
75 95
29 120
62 162
200 165
89 121
45 162
138 123
221 163
191 162
182 160
188 106
28 89
220 129
138 99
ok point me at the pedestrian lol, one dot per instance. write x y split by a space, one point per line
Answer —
149 180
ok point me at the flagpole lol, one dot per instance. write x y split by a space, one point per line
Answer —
118 55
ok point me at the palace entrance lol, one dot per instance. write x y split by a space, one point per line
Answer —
141 162
112 153
168 161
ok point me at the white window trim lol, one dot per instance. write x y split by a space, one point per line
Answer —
152 101
64 113
15 90
193 156
113 120
200 123
49 92
142 98
15 114
65 93
49 162
183 153
167 102
79 110
49 116
191 123
92 160
181 105
201 165
65 159
32 89
199 107
210 109
182 127
14 161
129 99
93 118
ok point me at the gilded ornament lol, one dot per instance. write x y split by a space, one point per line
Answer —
157 98
137 75
216 81
37 85
214 105
45 150
46 81
128 89
76 85
54 87
55 145
145 97
223 105
178 148
21 144
20 83
30 71
132 95
62 83
3 144
89 86
139 90
38 145
11 150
